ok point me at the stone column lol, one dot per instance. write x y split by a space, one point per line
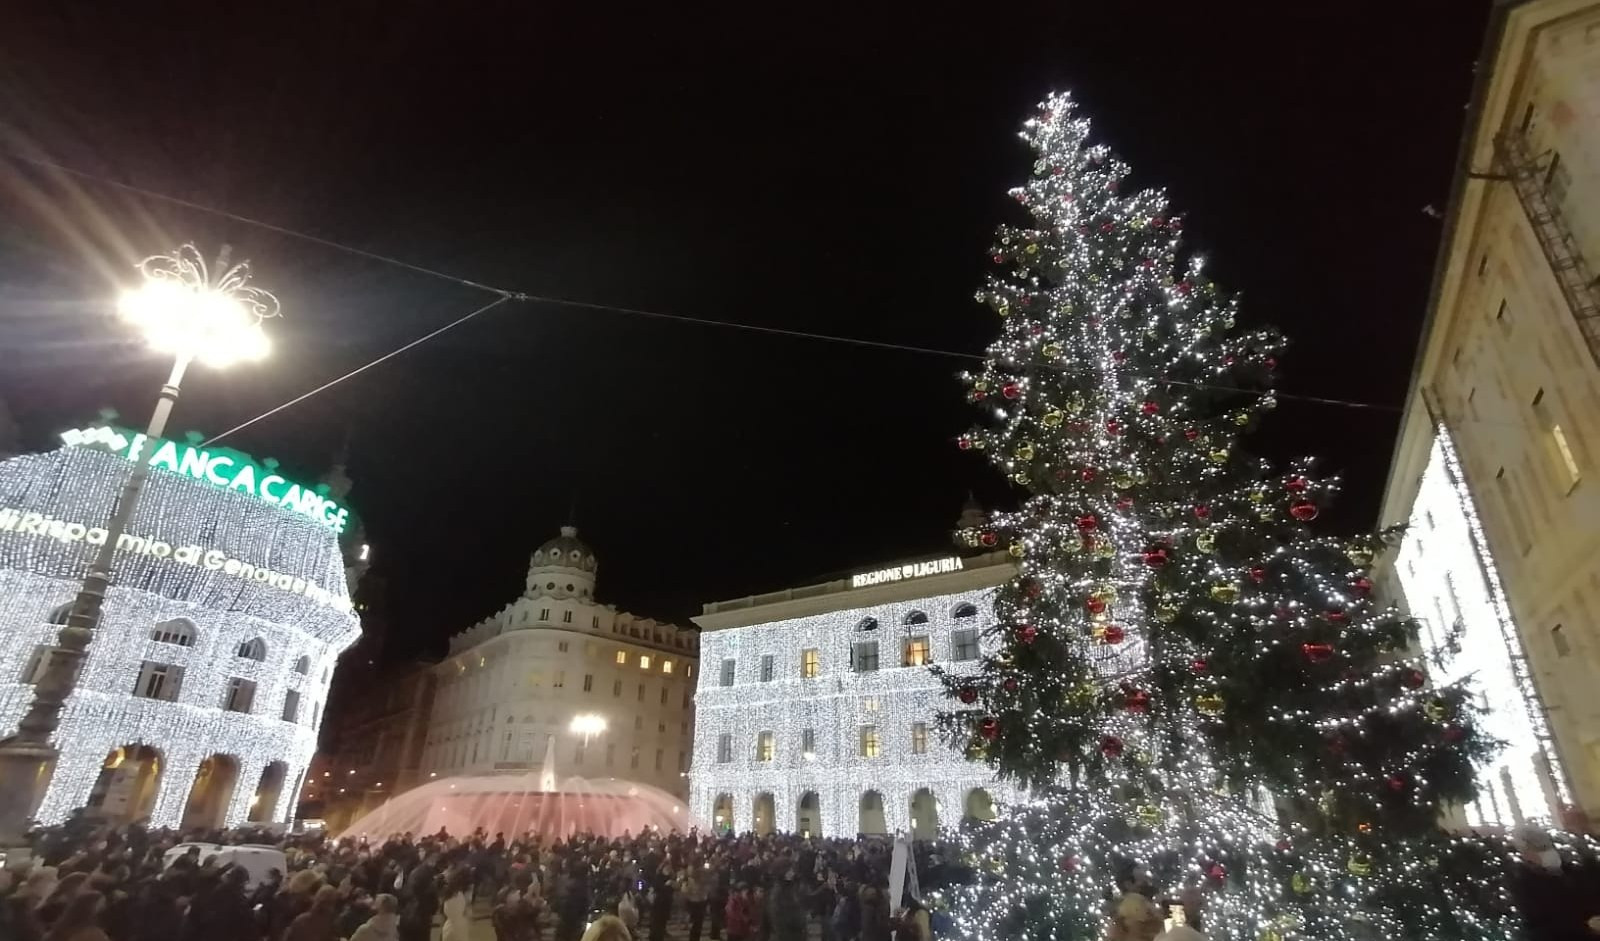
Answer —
244 790
177 780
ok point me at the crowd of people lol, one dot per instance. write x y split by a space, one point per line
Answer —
89 882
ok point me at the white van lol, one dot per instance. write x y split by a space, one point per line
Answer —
254 858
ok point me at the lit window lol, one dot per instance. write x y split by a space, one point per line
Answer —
644 661
666 666
808 744
724 748
766 747
1564 451
622 656
870 704
918 652
919 738
810 663
964 644
869 741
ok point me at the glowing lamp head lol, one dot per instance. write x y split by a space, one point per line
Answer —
587 725
184 311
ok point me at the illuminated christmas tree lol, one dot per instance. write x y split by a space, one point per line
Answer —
1188 679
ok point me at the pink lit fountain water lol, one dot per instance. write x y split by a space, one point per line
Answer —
523 803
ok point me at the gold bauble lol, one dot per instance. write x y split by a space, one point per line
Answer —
1075 405
970 537
1148 814
1025 451
1210 704
1219 456
1436 709
1003 309
981 385
1166 613
1256 496
1267 515
1301 883
1224 593
1206 542
1017 550
1020 477
1052 350
1123 480
1140 477
1360 555
1032 249
1243 418
1103 549
1360 865
1052 418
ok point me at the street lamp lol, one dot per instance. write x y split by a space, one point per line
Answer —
193 313
588 725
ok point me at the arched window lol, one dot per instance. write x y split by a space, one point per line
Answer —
178 631
303 665
867 624
253 649
964 610
916 617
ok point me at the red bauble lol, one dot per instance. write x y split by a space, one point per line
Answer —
1228 360
1069 863
989 728
979 395
1336 616
1095 605
1009 684
988 538
1317 653
1113 428
999 258
1397 782
1149 408
1361 585
1202 512
1258 574
1284 846
1217 871
1087 474
1303 510
1107 227
964 442
1155 557
1413 679
1032 588
1199 665
1027 634
1124 503
1111 746
1114 634
968 695
1088 523
1118 356
1135 700
1011 390
1184 287
1270 362
1296 484
1191 433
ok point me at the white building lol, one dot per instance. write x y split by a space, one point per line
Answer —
515 681
1495 469
816 709
199 700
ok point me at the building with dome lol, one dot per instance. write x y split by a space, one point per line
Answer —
202 690
507 694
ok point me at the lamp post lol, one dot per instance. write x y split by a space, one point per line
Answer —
195 314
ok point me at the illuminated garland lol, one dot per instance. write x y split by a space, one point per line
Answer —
835 705
39 574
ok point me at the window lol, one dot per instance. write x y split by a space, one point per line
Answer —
766 747
1537 398
964 644
663 695
1559 639
810 663
666 666
640 697
766 668
964 610
869 742
291 706
919 738
302 666
159 681
1483 264
37 663
724 748
616 687
659 755
594 622
867 624
544 614
634 761
1500 314
561 646
253 649
864 656
240 695
561 679
588 682
1569 463
622 657
179 632
644 661
917 651
727 673
916 617
566 617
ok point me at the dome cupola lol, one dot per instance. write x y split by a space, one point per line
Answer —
563 567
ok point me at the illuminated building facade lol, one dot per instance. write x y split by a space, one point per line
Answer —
1496 465
816 708
202 691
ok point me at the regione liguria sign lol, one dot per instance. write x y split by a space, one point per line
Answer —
223 468
906 572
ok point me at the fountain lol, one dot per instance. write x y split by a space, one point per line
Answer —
522 803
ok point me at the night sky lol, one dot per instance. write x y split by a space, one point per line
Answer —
830 168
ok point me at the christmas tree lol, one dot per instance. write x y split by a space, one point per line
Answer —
1189 680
